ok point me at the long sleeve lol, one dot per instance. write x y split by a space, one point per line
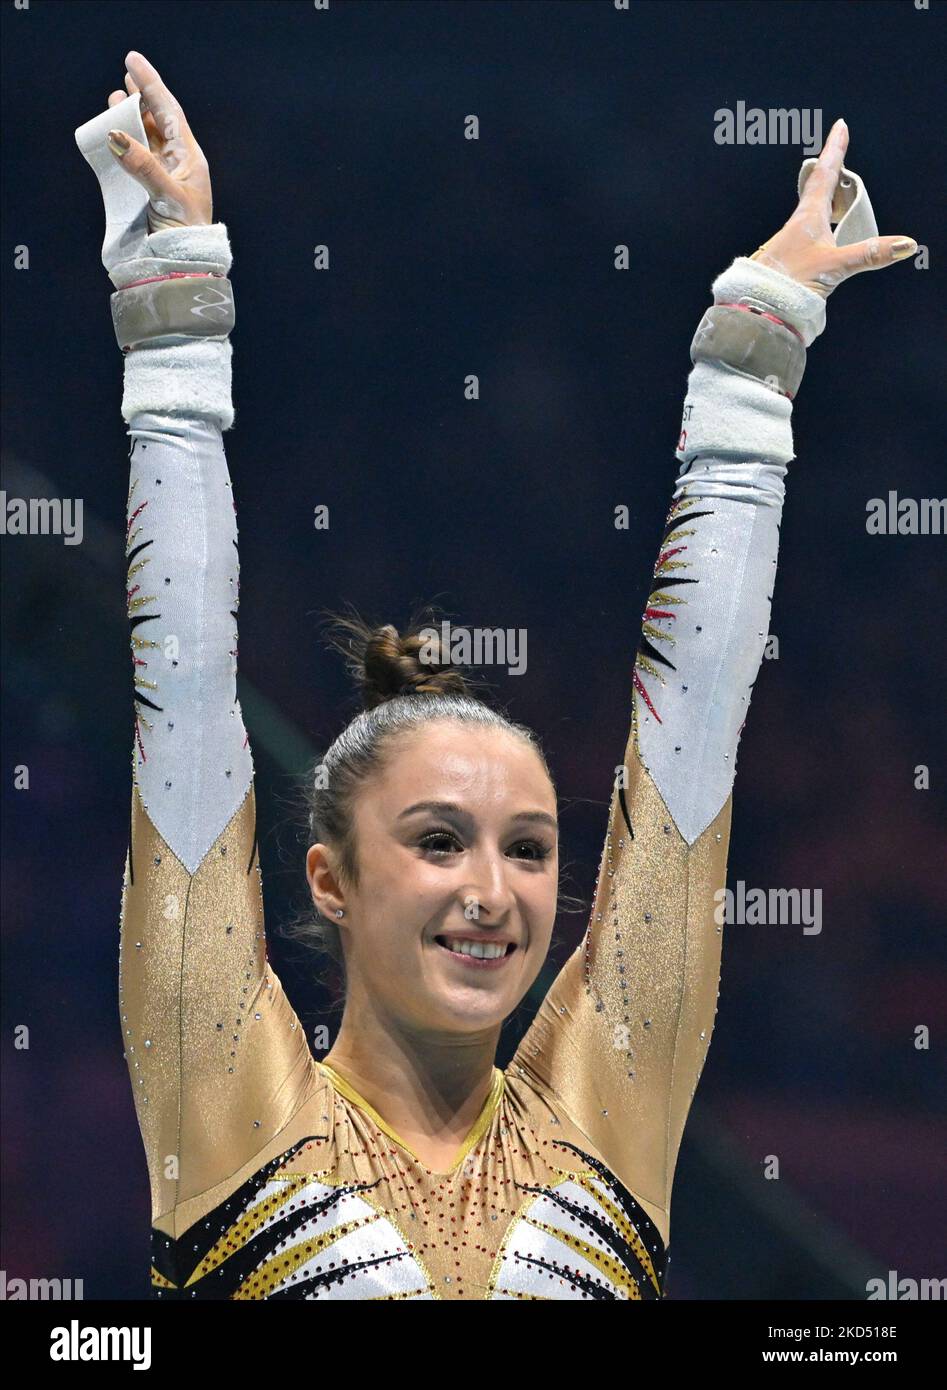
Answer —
217 1058
620 1040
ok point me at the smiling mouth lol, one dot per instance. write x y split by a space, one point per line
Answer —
482 955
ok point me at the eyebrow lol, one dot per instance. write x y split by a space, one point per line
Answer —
457 813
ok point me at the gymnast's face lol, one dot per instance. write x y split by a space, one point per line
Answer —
456 844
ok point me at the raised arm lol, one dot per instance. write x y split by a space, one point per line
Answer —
620 1040
217 1058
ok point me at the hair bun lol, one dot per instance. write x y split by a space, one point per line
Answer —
386 663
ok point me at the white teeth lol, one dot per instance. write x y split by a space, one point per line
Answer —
483 950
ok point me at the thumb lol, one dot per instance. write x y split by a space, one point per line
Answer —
874 253
141 164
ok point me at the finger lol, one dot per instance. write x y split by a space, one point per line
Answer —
148 121
873 254
821 184
142 165
155 143
167 111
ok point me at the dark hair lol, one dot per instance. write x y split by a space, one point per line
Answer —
405 680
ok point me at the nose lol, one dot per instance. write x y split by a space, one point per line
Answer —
489 884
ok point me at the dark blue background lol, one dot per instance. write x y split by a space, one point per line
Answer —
448 257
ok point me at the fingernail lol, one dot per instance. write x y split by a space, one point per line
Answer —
904 246
118 142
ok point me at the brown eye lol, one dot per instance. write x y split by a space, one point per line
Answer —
439 842
534 850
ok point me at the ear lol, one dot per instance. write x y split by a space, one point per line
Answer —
323 877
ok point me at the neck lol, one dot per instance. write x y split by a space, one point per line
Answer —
429 1087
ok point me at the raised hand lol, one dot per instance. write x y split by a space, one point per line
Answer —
804 248
172 169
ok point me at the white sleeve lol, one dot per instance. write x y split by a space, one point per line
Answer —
191 759
706 620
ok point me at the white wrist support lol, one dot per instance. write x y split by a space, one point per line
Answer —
727 412
751 282
184 378
171 375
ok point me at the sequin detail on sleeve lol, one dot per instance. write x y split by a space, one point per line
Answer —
137 599
650 658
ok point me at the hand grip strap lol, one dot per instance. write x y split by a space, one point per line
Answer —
126 201
857 222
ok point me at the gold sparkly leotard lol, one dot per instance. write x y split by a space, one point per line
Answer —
270 1176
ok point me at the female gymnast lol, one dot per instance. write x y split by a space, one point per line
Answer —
405 1164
